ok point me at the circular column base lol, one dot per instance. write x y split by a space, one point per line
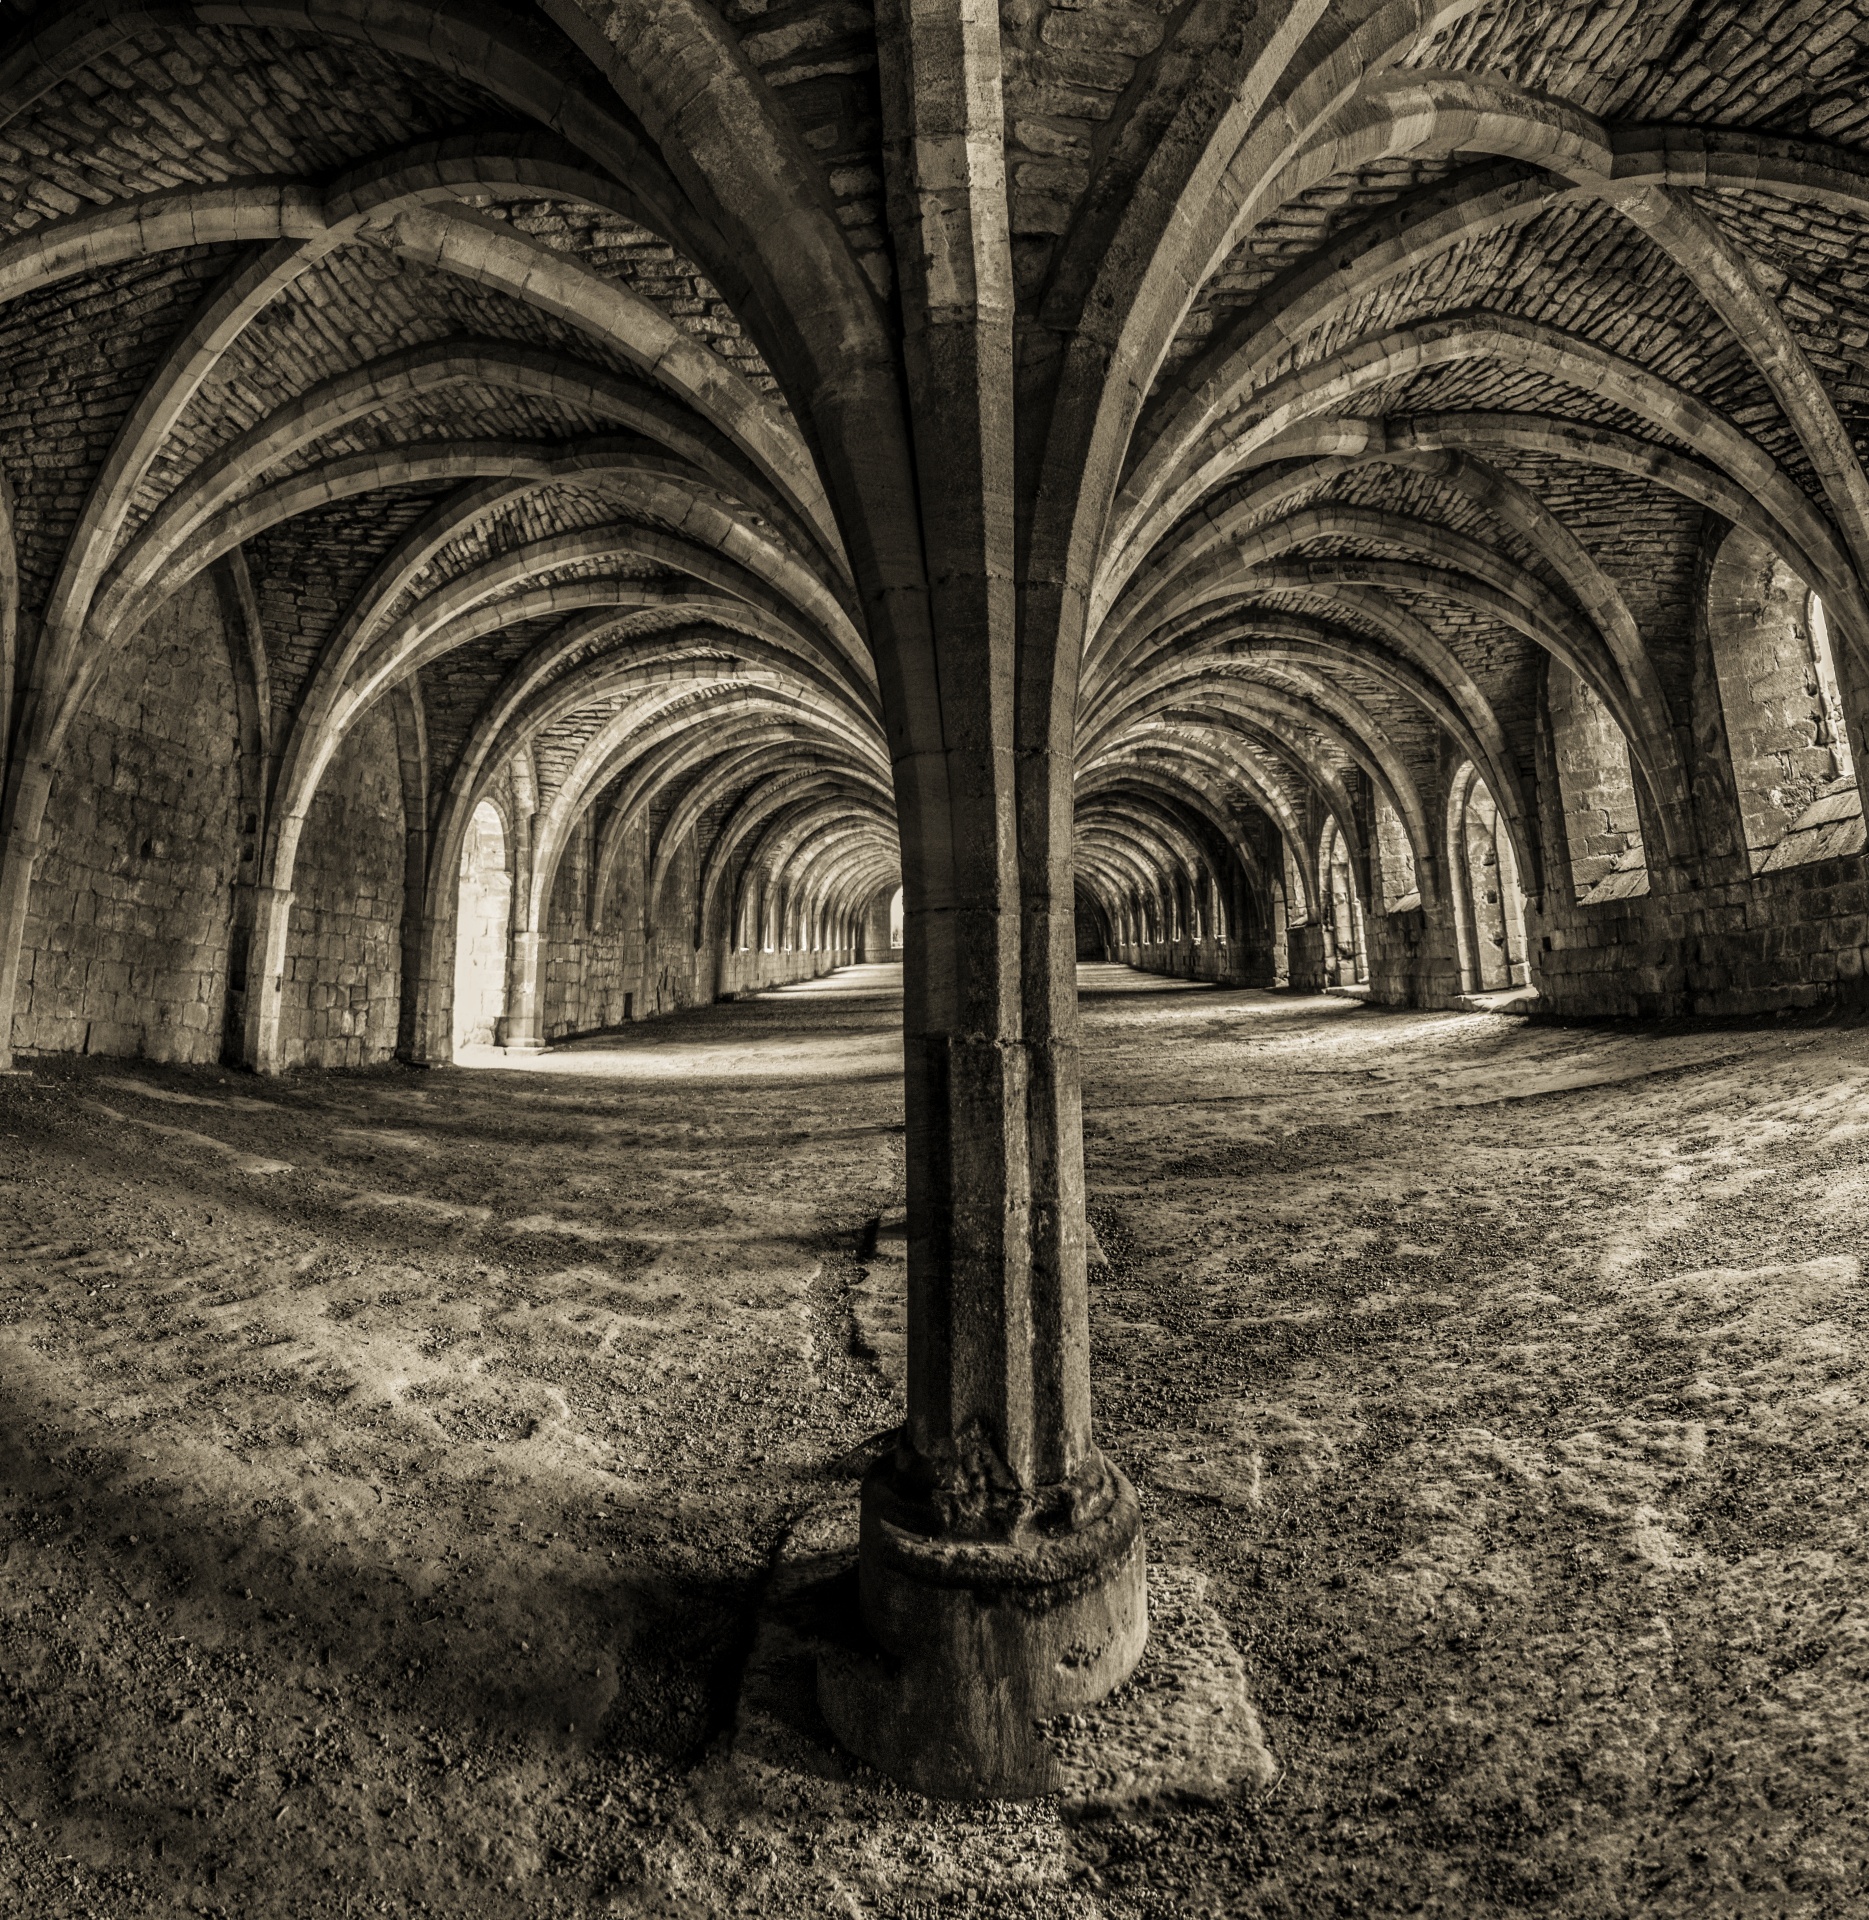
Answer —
968 1643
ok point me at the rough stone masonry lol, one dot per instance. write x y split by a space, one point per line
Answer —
525 516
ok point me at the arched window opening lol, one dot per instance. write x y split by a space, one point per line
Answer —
1092 940
1596 789
895 921
483 912
1489 919
1345 954
1793 773
1395 862
1297 899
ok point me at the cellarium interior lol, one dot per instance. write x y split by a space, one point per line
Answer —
932 957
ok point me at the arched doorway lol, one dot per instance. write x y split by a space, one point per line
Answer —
1489 903
1346 955
484 907
895 921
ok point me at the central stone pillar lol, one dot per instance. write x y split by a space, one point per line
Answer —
1001 1576
1001 1570
521 1028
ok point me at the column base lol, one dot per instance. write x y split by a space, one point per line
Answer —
968 1643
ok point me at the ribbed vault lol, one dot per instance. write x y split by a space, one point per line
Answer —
427 318
587 497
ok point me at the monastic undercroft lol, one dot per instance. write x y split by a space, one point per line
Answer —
932 959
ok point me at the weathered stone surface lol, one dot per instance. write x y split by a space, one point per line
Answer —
126 944
1182 1729
1373 505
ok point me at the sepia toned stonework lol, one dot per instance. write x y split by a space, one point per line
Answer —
524 517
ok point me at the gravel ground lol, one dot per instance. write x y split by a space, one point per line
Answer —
389 1464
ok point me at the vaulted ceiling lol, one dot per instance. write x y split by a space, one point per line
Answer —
470 350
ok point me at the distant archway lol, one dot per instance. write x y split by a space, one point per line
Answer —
485 908
1346 953
895 921
1092 928
1489 903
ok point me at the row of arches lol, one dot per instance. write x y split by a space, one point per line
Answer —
1350 494
765 919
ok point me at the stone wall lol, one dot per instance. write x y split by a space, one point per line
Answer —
1228 963
1777 724
127 930
1306 970
344 963
602 977
1596 788
1412 959
1795 938
1396 883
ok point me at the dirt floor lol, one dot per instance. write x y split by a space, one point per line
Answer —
389 1463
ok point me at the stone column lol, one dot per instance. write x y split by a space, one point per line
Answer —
18 854
522 1028
262 1048
1001 1564
22 816
876 928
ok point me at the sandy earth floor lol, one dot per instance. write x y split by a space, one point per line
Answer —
389 1463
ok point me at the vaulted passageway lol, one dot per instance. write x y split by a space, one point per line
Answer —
391 1464
1345 495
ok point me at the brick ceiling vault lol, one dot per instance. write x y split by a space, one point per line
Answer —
1376 359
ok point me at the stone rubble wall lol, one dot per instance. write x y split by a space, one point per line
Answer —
132 898
343 982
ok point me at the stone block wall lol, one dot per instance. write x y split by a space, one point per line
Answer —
1228 963
343 971
1771 696
132 898
1713 935
1795 938
1412 959
1306 966
622 971
1595 786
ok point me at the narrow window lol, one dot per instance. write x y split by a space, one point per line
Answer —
483 909
1793 773
1596 789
